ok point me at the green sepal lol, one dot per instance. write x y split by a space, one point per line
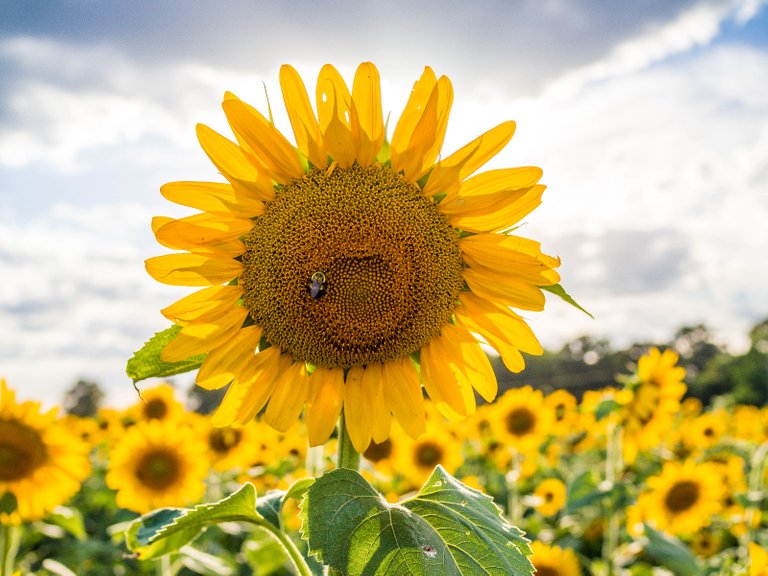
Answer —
166 530
8 503
559 291
146 362
447 529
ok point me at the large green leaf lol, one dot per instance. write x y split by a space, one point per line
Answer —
168 529
559 291
447 529
146 362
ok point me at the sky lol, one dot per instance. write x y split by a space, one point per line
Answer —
649 119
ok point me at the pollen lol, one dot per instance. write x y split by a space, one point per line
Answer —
390 262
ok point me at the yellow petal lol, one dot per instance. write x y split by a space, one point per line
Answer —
447 175
324 402
205 232
459 208
203 305
366 97
403 395
334 110
507 251
502 179
379 414
503 219
412 113
502 327
193 269
266 141
469 360
214 198
490 257
234 165
427 137
355 412
225 363
250 391
288 397
201 338
306 129
497 287
441 380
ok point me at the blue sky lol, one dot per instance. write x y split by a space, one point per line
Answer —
650 120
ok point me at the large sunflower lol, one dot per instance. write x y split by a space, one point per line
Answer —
42 462
350 269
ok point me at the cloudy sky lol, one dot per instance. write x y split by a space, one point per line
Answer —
650 120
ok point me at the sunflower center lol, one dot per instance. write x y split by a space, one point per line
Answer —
546 571
352 267
377 452
22 450
428 454
222 440
520 421
158 469
155 409
682 496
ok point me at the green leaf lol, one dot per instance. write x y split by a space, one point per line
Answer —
146 362
8 503
559 291
70 519
606 407
671 553
168 529
447 529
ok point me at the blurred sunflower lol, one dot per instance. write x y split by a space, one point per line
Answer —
549 496
705 431
706 543
758 560
232 449
521 419
156 403
329 267
417 459
554 561
158 463
565 412
42 462
684 498
655 401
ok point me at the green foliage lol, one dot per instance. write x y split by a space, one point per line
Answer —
166 530
146 362
671 553
560 292
446 529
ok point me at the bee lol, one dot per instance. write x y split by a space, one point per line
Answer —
316 285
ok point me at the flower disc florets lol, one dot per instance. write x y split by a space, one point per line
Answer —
390 268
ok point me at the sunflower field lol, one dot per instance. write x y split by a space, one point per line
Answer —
630 475
348 289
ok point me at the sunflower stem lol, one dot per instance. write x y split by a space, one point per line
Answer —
10 538
302 568
347 456
512 477
613 468
754 497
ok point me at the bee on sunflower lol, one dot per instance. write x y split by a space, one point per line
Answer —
348 271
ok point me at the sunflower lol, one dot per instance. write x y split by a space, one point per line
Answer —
654 402
706 543
554 561
350 270
42 462
758 560
156 403
232 448
705 431
521 419
417 459
549 496
683 498
565 410
158 463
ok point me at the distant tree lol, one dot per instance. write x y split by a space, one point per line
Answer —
743 377
83 399
696 347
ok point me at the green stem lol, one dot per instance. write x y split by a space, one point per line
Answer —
10 538
514 509
754 496
164 566
613 469
347 456
290 548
